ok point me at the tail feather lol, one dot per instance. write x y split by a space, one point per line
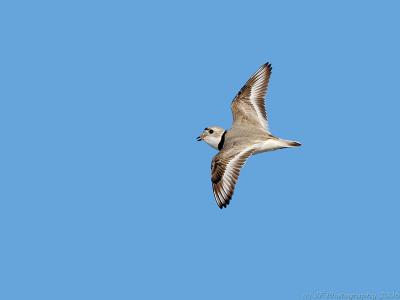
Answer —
291 143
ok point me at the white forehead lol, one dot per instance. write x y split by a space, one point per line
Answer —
213 128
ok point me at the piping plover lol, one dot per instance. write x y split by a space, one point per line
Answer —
249 135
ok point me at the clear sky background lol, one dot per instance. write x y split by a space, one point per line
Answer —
105 194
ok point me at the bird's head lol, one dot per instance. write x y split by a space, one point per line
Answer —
212 136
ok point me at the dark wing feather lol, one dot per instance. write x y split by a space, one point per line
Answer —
248 107
225 169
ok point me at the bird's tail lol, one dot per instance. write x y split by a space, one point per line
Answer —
290 144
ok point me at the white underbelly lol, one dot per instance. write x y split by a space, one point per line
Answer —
269 145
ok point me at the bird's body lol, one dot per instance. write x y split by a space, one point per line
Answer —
261 140
248 135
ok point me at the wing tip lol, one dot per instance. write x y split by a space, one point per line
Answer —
221 201
223 205
268 66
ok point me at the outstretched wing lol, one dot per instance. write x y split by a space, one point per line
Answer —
225 169
248 107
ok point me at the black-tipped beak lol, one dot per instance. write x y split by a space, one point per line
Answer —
198 139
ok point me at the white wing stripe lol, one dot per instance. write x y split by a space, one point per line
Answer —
258 112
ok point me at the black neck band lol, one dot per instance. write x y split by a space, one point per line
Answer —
222 141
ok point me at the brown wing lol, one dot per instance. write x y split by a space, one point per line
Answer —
225 169
248 107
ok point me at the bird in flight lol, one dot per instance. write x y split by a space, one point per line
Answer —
249 135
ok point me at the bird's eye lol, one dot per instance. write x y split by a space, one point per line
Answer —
211 131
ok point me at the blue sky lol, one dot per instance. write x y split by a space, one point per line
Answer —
105 194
